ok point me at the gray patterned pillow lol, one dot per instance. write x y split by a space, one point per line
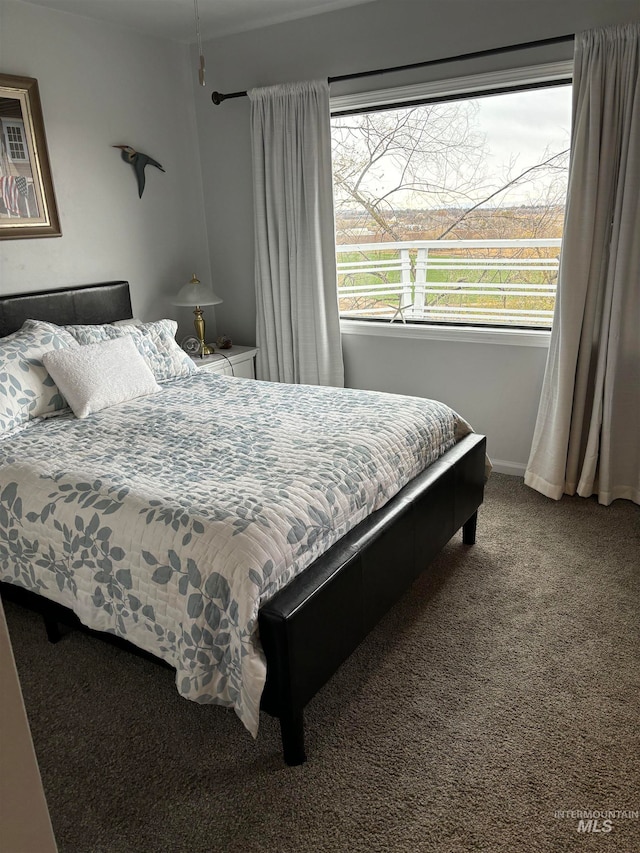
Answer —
26 389
155 341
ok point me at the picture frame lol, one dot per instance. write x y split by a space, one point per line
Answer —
27 198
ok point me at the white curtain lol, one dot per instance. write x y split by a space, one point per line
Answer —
587 436
298 329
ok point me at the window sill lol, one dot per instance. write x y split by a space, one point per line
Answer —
460 334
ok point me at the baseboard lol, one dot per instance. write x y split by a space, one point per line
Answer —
516 469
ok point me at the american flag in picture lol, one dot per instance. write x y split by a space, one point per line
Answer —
10 194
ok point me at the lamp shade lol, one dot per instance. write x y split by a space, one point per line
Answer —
195 293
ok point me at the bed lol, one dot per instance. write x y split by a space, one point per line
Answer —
269 646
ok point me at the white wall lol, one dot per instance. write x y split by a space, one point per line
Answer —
495 387
99 86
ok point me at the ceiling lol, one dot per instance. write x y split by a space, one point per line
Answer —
175 19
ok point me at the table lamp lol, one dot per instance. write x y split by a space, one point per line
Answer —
194 295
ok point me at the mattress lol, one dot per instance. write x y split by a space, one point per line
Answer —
169 520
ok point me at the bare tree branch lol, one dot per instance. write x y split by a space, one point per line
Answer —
501 190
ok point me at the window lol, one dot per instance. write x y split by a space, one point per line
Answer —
450 200
15 143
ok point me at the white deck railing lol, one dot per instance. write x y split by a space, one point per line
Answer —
493 282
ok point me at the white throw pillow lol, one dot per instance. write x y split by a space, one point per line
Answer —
95 376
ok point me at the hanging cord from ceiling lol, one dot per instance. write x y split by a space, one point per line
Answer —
201 68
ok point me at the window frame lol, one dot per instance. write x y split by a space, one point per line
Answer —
455 88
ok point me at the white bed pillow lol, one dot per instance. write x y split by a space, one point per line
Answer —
27 391
95 376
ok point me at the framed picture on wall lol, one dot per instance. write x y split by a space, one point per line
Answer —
27 199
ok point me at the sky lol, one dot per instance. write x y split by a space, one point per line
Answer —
520 129
523 125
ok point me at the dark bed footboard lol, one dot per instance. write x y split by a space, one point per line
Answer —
312 626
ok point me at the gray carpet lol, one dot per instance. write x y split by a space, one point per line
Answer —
503 688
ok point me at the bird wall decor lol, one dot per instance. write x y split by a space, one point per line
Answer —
139 161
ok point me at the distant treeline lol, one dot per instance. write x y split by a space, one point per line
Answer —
523 222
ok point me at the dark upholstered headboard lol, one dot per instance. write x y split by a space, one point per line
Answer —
89 303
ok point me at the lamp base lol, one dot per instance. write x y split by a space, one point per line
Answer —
198 323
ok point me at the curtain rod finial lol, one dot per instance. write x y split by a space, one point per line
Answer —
217 98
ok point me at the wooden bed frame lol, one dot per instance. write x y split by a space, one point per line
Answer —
312 625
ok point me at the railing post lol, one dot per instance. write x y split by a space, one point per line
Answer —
422 261
405 273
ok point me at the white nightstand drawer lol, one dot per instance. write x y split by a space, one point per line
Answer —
236 361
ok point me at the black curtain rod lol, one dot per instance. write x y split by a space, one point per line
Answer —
218 97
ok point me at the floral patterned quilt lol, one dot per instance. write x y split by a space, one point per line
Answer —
170 519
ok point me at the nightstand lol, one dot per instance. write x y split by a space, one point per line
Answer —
236 361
